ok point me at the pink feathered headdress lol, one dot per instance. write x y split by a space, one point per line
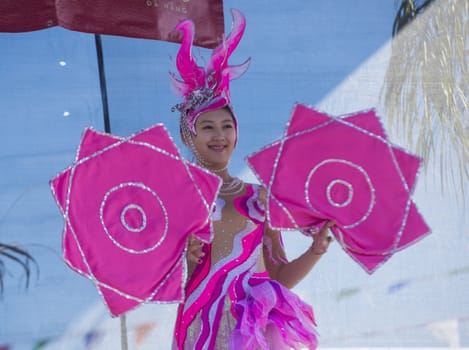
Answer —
206 89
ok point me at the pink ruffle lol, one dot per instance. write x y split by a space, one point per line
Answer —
272 317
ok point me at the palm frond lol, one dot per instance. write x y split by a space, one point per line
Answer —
19 256
408 11
425 92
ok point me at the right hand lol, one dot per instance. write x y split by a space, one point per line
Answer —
194 250
322 239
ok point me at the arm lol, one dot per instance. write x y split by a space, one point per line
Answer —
279 268
291 273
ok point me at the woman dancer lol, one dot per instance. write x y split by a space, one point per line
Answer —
237 293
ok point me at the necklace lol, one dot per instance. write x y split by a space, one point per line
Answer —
232 187
216 171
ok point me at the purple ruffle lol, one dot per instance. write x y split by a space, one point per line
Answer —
272 317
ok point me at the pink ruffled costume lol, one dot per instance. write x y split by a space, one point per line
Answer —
232 304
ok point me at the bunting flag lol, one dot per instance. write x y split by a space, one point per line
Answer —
149 19
347 292
395 287
40 344
91 338
142 332
448 331
399 285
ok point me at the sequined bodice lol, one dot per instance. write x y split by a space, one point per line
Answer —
230 223
235 255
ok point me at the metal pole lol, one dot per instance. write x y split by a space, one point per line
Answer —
107 128
102 82
124 343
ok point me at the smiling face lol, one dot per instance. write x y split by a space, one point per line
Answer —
216 137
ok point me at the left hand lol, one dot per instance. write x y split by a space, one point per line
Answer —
322 239
194 250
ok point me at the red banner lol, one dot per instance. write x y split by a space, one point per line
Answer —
149 19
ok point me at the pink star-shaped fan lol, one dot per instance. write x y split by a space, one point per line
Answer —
345 169
129 205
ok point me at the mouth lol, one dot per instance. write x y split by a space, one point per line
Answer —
217 148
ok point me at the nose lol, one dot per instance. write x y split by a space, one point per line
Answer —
219 134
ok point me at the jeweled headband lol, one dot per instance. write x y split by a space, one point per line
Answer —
206 89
